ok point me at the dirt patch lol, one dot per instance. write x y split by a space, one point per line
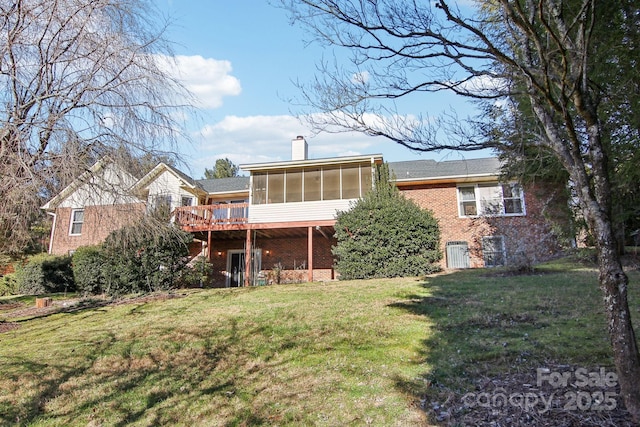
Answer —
22 311
8 326
560 396
9 306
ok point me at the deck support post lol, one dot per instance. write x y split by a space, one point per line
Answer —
247 259
209 251
310 254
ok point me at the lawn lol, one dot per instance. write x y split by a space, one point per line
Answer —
377 352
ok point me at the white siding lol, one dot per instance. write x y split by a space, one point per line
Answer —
302 211
167 184
109 187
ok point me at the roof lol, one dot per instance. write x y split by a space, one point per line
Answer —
224 185
161 167
430 169
373 158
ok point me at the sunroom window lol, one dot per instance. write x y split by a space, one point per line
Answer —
311 184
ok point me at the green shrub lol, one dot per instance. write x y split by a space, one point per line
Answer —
144 257
386 235
88 274
197 274
8 285
45 274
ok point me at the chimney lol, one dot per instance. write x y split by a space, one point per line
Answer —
299 148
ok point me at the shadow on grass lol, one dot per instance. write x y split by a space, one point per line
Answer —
114 381
107 373
490 331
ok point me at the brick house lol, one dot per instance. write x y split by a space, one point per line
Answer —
92 206
277 224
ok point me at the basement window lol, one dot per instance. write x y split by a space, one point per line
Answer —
493 251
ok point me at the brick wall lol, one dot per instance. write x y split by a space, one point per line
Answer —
528 235
99 221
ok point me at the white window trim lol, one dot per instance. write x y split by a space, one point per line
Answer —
477 200
72 222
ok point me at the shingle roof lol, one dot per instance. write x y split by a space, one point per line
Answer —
183 175
430 169
224 185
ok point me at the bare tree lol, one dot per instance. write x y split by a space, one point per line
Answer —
78 79
542 53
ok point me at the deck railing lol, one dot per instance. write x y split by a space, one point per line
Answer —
208 217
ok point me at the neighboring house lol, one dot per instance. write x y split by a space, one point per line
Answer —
278 223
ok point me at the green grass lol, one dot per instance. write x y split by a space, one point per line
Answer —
359 352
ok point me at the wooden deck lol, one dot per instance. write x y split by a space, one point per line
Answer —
232 216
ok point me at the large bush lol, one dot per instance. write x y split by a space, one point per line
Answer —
144 257
45 274
386 235
88 270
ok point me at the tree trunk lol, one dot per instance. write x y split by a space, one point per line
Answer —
595 201
613 283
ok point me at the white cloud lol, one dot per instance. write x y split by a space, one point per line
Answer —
256 139
361 78
209 80
484 85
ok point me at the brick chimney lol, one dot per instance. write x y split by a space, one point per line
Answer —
299 148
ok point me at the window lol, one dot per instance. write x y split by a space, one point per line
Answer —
187 201
77 218
367 179
238 212
331 184
350 183
512 196
161 201
275 187
467 197
294 186
259 188
160 206
490 199
493 251
312 184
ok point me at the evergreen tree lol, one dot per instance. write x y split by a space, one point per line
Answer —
385 234
224 168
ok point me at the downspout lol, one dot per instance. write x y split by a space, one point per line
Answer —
53 230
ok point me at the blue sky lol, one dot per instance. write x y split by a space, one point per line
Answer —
240 57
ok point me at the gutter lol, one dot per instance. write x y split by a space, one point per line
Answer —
330 161
448 179
53 231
